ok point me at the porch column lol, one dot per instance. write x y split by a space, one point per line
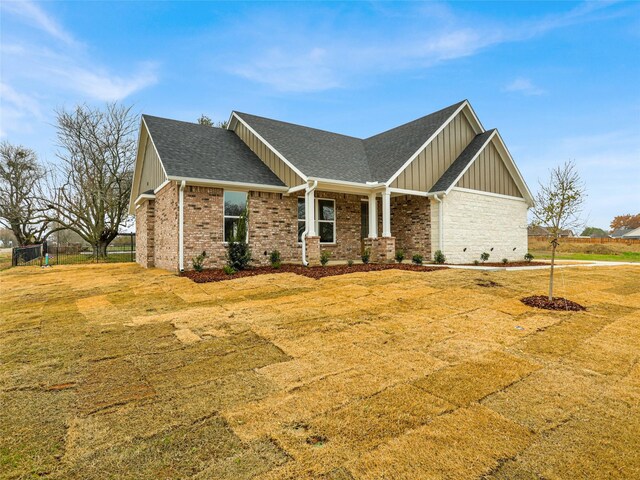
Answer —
386 213
373 216
311 213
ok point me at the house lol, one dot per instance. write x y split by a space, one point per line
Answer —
620 232
441 182
632 234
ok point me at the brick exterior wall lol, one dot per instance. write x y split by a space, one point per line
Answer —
313 250
272 225
411 225
166 228
145 222
348 224
203 226
383 249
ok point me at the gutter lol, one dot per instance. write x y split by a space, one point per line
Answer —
181 226
307 191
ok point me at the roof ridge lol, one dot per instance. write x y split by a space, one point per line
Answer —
181 121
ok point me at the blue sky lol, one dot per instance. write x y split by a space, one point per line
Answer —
561 81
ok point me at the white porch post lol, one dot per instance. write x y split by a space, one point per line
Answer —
373 216
386 213
311 214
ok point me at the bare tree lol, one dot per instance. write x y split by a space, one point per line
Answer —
90 190
558 205
20 179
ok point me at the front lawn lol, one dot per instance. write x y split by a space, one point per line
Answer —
612 257
114 371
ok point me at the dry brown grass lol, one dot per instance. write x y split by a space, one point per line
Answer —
112 371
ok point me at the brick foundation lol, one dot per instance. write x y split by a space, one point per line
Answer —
383 249
313 250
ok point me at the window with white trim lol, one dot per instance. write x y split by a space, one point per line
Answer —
235 205
326 220
301 218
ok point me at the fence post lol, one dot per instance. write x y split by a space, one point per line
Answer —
131 242
40 254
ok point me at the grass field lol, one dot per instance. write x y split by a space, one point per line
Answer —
567 250
112 371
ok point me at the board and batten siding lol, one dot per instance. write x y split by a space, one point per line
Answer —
431 163
488 173
152 174
264 153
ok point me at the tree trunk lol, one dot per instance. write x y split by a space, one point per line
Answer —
101 250
553 260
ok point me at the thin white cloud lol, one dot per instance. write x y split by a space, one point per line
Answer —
282 60
524 86
32 14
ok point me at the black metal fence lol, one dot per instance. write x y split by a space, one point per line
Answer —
121 249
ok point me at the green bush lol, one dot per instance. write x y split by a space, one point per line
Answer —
274 258
438 257
484 256
476 262
417 259
238 251
366 255
350 263
228 270
324 257
505 261
198 261
528 257
399 256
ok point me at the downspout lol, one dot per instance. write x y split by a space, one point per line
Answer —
440 222
307 191
181 226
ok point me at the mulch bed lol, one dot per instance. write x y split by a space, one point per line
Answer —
510 264
558 303
218 275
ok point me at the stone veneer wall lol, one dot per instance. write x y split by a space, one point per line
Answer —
166 228
145 222
411 225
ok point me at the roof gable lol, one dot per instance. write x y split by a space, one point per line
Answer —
190 150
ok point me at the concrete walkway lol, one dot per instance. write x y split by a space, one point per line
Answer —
574 263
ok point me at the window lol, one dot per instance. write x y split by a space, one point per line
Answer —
301 218
326 214
235 204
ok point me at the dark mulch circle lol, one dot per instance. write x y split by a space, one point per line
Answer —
218 275
558 303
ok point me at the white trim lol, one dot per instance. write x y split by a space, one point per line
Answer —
154 147
282 157
403 191
429 140
346 182
224 184
518 176
373 216
489 194
475 118
386 213
464 170
144 196
161 186
297 188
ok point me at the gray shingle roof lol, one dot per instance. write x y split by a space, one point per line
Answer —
199 151
460 163
318 153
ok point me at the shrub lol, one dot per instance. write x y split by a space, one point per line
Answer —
505 261
484 256
350 263
476 262
528 257
198 261
417 259
366 255
228 270
238 251
274 258
324 257
399 256
438 257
